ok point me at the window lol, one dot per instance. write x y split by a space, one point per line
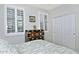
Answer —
43 21
15 20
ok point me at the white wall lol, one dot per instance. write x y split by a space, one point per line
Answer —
29 11
66 9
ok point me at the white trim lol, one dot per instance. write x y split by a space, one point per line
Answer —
5 21
24 20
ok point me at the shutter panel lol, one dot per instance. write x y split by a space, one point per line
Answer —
41 21
45 20
20 20
10 20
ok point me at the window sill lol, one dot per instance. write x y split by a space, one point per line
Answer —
15 34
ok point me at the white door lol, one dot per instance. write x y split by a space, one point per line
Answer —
57 35
64 30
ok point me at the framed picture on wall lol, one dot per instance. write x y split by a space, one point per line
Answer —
32 18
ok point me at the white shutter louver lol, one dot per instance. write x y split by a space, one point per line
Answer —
10 20
45 20
20 20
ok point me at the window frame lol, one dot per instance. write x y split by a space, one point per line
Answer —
5 21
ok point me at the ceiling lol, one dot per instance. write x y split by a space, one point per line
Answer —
46 6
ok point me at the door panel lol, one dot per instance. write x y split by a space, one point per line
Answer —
57 34
63 30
